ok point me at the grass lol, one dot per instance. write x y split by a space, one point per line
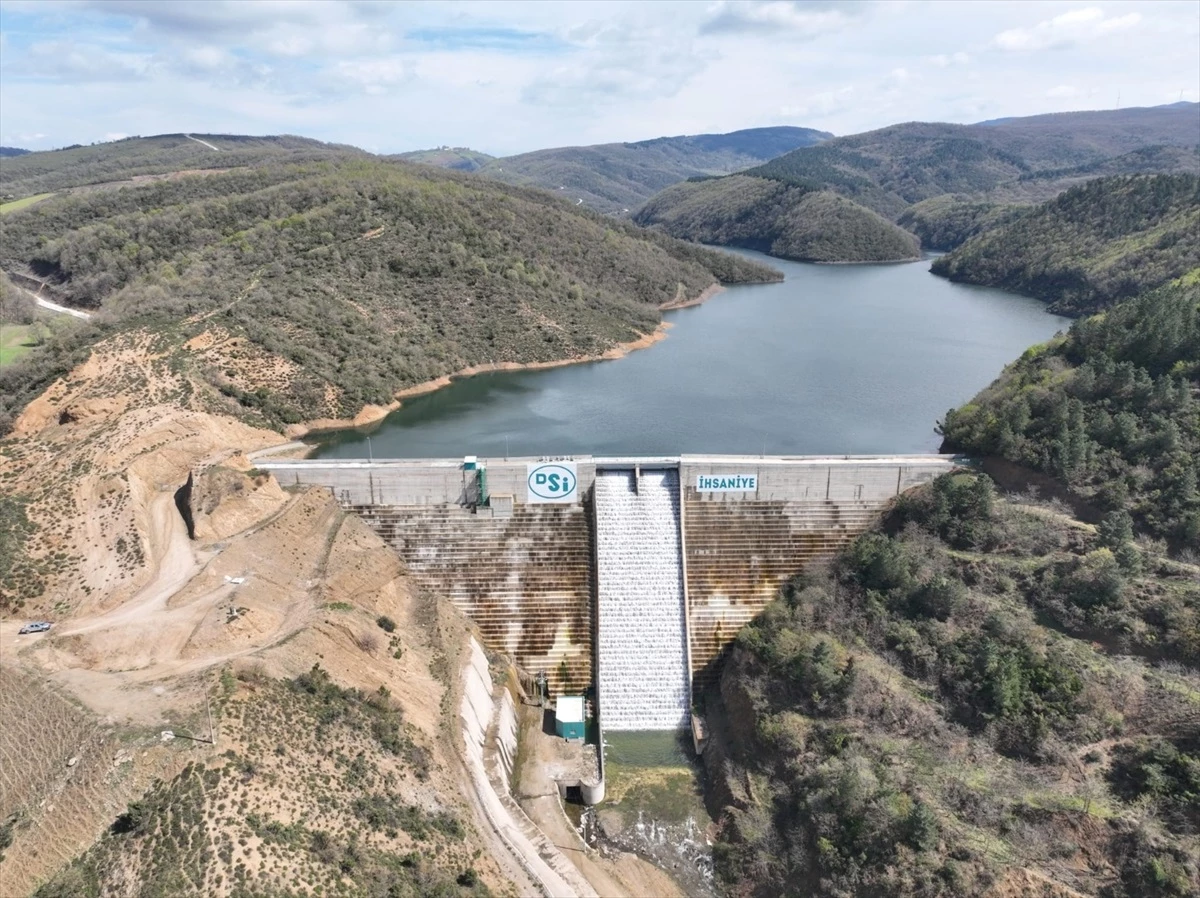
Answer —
15 341
23 203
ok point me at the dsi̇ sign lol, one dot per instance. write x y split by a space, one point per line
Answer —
727 483
552 483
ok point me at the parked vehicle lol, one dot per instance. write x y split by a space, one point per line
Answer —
38 626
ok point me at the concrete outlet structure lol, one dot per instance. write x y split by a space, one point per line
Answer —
632 575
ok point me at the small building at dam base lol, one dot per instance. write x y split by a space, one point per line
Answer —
622 580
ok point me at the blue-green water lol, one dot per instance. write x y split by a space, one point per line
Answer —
649 748
839 359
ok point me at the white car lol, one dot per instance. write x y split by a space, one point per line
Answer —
38 626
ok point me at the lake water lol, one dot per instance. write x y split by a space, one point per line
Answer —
836 359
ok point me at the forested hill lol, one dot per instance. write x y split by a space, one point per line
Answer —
1112 410
1106 240
893 167
119 160
457 158
314 289
785 220
945 182
619 177
972 702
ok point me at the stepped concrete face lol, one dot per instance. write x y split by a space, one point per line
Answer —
526 580
742 546
527 573
642 664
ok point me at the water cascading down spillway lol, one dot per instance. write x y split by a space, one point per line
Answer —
642 651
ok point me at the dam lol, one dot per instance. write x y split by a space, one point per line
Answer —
623 579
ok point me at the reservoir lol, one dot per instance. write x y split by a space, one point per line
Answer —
835 359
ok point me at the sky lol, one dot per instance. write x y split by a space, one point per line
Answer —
508 77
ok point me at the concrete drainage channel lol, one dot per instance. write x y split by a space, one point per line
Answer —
489 762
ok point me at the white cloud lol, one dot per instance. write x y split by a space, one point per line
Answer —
772 17
945 60
1063 92
375 76
521 75
1074 27
617 63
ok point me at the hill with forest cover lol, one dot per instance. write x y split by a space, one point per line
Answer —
618 177
946 222
966 703
785 220
6 152
457 158
133 157
1111 409
309 291
894 169
1106 240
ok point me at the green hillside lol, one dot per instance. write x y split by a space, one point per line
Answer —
782 219
618 177
132 157
968 703
457 158
1106 240
348 279
894 167
948 221
944 182
1040 186
1111 410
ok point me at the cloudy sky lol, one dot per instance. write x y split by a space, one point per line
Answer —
505 77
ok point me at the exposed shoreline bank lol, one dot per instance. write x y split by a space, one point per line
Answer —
373 414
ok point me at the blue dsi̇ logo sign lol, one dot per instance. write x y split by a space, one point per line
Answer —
552 483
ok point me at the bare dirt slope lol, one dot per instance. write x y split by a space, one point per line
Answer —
152 628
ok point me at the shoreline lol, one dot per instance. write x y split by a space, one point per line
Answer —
373 414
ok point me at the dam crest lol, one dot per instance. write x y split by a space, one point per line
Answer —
621 579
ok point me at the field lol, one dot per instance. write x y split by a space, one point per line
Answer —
14 342
22 203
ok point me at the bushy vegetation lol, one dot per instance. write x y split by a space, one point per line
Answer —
21 576
902 723
960 178
785 220
457 158
131 157
1109 239
1111 410
894 167
16 306
348 280
946 222
309 802
618 177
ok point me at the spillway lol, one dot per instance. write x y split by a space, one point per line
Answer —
628 575
642 661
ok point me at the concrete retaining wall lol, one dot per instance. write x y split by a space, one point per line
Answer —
742 546
527 575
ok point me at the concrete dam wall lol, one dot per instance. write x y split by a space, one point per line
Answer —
567 564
